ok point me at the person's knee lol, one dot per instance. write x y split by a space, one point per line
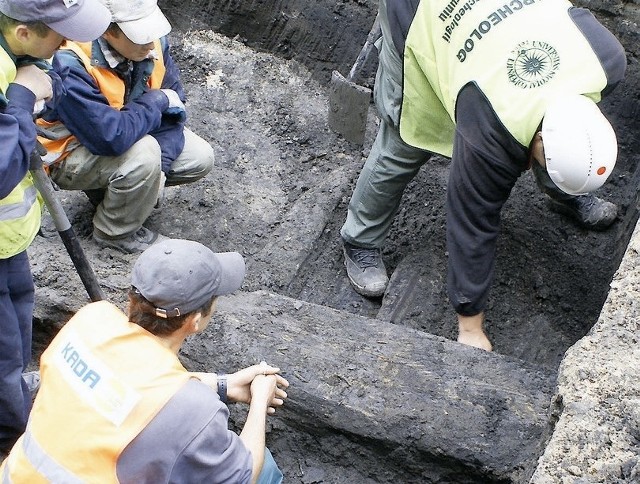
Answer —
196 162
204 157
143 159
146 149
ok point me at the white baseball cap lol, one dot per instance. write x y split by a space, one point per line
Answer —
142 21
580 146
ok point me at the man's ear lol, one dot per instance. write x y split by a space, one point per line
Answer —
22 33
193 322
537 150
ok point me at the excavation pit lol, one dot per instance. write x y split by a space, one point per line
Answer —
380 392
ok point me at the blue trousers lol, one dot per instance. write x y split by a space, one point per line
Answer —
16 313
270 473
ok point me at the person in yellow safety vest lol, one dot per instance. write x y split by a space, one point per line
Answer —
120 129
499 86
30 31
116 405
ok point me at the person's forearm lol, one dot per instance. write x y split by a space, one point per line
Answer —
170 137
208 378
253 436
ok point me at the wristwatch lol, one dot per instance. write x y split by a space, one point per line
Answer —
222 387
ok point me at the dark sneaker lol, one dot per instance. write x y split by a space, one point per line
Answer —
139 241
588 210
366 270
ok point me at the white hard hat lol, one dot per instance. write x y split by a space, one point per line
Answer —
580 146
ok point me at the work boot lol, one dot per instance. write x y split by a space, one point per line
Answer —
366 270
588 210
139 241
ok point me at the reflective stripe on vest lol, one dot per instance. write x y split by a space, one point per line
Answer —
98 392
49 471
499 46
20 214
111 86
10 211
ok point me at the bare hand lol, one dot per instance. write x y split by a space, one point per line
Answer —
36 80
258 382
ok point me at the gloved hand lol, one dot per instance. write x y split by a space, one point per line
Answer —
176 107
38 107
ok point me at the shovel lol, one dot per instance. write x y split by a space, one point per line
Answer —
349 102
68 236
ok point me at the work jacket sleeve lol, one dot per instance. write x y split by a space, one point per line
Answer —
171 78
170 137
485 166
170 133
605 45
17 137
86 112
216 454
200 448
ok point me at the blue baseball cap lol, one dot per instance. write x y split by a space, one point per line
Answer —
178 276
80 20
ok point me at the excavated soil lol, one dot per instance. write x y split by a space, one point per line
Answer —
266 117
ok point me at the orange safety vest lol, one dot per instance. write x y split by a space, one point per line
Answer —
103 380
110 85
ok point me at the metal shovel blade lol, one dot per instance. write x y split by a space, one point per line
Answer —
348 108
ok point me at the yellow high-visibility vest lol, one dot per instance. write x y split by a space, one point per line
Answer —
499 46
21 210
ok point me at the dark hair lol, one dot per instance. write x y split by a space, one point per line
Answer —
143 313
6 23
114 29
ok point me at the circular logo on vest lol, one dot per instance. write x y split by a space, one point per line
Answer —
532 63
